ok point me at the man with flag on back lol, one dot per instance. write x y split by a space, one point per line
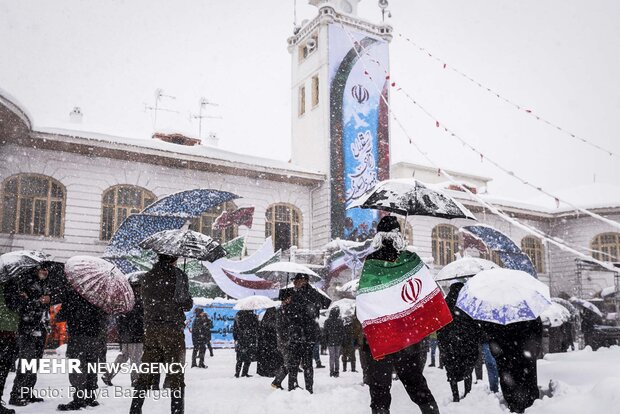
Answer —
398 304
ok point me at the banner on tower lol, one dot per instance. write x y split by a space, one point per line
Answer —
359 128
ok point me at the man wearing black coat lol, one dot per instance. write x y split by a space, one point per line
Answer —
86 326
282 331
515 347
201 337
166 298
245 334
131 335
334 334
31 300
303 329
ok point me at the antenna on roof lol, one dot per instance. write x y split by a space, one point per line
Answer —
159 94
202 106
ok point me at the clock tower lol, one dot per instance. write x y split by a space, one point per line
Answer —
340 127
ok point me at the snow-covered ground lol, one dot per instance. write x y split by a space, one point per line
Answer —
588 382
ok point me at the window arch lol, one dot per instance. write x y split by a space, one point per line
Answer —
32 204
445 243
121 201
606 247
204 223
283 224
533 247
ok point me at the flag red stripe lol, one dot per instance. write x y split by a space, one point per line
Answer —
394 335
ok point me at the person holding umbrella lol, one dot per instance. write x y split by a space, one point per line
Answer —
508 303
245 334
31 300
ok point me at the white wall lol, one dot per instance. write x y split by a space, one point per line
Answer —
87 178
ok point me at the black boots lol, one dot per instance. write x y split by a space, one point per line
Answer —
177 402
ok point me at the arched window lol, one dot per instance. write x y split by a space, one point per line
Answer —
32 204
533 247
606 247
204 223
283 224
120 201
445 243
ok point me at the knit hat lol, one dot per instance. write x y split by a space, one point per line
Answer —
387 224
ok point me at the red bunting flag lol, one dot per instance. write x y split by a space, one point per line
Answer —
241 217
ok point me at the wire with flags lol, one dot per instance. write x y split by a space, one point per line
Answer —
494 209
509 172
498 95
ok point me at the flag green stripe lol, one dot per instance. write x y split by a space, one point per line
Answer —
379 275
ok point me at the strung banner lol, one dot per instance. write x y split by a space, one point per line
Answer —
240 217
399 304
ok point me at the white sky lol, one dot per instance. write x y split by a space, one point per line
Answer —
558 57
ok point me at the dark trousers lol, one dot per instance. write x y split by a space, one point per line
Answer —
199 353
348 355
282 371
409 365
88 350
163 345
8 353
30 347
300 353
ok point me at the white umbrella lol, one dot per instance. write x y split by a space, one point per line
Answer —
504 296
555 315
255 302
347 307
290 267
465 267
586 305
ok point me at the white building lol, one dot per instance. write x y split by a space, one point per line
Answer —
66 192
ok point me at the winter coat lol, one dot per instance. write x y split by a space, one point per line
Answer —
165 296
282 328
515 347
302 314
245 332
83 319
334 329
131 324
23 298
9 320
201 329
269 358
458 341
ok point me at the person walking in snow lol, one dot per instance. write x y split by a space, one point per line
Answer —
334 334
269 357
349 345
282 330
459 344
201 337
245 333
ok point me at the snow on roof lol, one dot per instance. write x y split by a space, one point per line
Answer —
198 150
596 195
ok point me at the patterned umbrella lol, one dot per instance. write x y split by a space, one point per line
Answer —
184 243
504 296
189 203
15 263
100 283
410 197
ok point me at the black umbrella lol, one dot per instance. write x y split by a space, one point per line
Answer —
410 197
184 243
19 262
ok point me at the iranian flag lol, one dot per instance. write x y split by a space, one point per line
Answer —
399 304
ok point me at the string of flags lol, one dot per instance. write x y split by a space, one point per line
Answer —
510 102
465 143
497 211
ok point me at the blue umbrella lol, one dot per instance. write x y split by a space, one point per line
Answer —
136 228
504 296
511 255
189 203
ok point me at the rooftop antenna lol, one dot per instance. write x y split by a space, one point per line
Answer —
383 5
202 106
159 94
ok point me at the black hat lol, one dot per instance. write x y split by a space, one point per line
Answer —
299 276
388 223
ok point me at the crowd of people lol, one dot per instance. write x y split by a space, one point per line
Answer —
286 342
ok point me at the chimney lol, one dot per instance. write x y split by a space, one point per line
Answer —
75 116
178 139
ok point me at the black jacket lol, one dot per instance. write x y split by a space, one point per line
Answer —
302 314
23 297
334 329
201 329
131 324
83 318
165 296
245 332
459 340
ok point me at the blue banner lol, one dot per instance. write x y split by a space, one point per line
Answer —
222 315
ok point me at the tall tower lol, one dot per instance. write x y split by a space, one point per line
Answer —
339 90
